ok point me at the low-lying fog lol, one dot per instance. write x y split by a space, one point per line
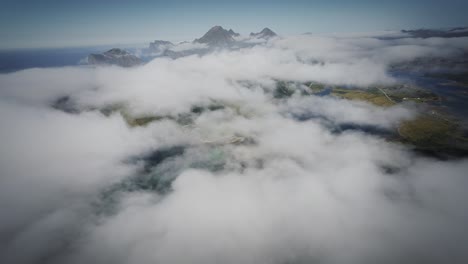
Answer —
226 172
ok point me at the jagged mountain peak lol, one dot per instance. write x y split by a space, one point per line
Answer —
116 52
160 45
114 56
233 33
218 36
265 33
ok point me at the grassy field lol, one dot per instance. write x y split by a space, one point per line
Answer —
372 96
427 130
437 136
315 87
141 121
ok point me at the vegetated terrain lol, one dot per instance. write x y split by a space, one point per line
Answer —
432 132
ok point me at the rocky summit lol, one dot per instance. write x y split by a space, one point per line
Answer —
265 33
160 45
114 56
218 36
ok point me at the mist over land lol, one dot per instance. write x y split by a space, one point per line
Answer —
259 148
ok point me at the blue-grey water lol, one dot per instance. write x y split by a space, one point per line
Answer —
454 99
15 60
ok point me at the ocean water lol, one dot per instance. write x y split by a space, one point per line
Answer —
15 60
454 100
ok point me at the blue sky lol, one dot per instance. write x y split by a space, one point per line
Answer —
66 23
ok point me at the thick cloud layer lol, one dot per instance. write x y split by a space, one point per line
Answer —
249 178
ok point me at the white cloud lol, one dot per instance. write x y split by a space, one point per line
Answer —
188 46
291 191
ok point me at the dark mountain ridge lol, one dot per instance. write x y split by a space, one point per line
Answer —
218 36
265 33
114 57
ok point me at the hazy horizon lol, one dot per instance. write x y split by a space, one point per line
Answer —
55 24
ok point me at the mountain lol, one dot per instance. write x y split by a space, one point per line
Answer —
233 33
114 56
438 33
160 45
215 38
266 33
218 36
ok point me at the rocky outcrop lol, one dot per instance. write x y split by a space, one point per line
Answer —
217 36
114 56
160 45
266 33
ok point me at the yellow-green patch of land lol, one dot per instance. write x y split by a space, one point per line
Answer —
131 120
140 121
373 97
316 87
428 130
421 99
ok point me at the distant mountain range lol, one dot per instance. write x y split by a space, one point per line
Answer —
438 33
215 38
219 38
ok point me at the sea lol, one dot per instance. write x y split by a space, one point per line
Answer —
21 59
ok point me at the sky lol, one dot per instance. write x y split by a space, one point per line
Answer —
66 23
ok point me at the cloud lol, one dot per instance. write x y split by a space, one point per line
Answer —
246 178
354 112
188 46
